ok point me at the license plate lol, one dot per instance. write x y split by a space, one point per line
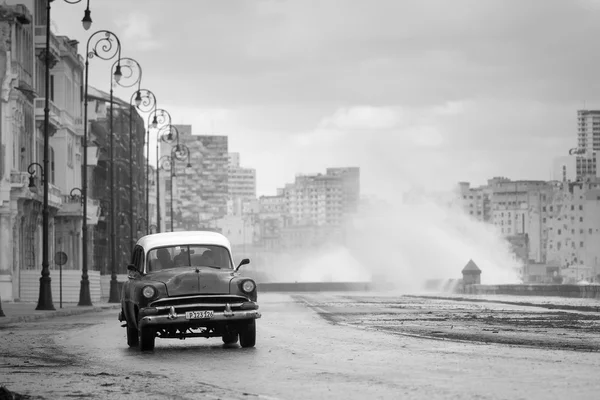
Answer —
199 314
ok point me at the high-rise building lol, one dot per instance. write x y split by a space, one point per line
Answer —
588 143
200 193
242 181
324 199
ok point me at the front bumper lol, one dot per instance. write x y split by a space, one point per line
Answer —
173 319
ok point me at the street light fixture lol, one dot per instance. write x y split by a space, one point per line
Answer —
74 196
160 118
132 76
178 152
105 46
145 102
45 295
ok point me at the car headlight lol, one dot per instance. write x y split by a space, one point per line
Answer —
148 292
248 286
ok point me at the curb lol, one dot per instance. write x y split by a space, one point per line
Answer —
55 314
565 307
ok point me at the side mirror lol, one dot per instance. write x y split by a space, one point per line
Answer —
133 271
243 262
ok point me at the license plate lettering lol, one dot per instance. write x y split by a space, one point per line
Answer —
205 314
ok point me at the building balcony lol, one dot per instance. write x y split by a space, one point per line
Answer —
40 44
54 114
24 77
73 207
19 183
67 120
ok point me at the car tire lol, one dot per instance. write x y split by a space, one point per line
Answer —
230 338
132 335
146 337
248 334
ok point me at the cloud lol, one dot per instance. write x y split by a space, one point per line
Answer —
138 32
361 117
472 90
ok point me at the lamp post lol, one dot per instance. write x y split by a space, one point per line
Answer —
132 75
45 294
105 45
178 152
149 182
159 121
146 102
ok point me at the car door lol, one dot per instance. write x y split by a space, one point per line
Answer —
137 259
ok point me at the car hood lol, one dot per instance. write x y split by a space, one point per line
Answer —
191 280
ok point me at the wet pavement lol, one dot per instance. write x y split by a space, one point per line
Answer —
317 346
483 322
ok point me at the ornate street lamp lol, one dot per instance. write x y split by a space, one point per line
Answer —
105 45
45 295
74 196
159 121
145 102
178 152
131 75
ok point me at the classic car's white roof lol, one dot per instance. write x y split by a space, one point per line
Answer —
186 237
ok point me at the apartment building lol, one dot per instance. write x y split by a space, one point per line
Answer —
200 193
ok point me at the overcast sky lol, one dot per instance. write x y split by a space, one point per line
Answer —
415 92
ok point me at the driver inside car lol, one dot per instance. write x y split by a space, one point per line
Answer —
208 259
182 259
162 261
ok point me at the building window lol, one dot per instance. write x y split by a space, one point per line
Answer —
52 87
580 244
52 169
580 207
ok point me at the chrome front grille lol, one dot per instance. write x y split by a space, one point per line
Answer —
209 302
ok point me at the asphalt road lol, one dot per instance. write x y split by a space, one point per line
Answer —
321 346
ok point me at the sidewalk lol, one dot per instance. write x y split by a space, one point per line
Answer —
549 302
25 312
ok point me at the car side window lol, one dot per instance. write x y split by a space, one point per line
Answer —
138 258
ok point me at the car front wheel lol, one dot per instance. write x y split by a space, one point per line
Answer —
146 338
248 334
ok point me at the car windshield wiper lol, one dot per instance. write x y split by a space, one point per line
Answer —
209 266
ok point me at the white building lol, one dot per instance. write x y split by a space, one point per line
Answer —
241 181
21 145
571 219
588 142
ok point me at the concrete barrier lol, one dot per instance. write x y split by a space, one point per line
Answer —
559 290
315 286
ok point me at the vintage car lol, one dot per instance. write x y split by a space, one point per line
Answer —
184 284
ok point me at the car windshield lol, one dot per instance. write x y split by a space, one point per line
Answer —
188 255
